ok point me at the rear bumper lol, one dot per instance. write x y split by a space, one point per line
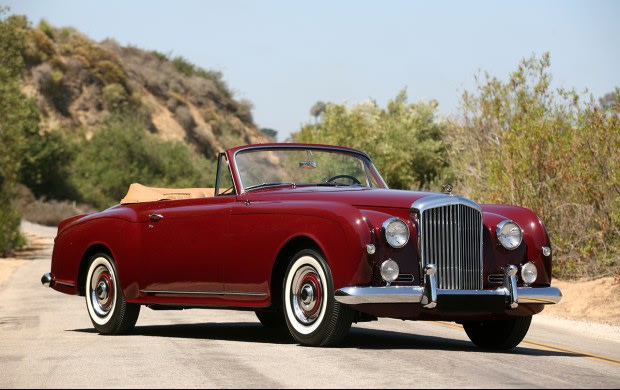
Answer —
47 280
509 295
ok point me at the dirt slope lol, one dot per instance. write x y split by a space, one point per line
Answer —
592 300
77 83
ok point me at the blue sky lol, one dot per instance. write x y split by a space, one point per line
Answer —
285 55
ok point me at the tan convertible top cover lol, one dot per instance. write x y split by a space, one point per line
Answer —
138 193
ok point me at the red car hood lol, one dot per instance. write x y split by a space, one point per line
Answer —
356 196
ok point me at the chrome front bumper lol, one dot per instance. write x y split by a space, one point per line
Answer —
429 294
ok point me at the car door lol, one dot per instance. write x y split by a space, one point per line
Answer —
185 246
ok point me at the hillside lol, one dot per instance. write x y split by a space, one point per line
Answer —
77 83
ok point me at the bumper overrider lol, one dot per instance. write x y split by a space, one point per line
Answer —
429 295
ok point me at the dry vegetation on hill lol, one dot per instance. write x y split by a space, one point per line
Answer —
81 120
78 83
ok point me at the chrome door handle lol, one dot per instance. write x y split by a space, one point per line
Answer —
156 217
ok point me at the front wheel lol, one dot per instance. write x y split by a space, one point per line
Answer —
108 310
312 315
498 334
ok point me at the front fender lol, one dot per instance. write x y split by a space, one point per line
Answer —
534 237
339 230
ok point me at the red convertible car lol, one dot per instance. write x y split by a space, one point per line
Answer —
311 239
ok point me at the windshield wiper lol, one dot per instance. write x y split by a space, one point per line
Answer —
254 187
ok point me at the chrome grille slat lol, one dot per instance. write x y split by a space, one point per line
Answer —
450 237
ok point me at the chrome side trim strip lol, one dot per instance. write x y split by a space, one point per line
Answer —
64 283
204 293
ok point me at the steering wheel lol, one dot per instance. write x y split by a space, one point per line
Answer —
353 179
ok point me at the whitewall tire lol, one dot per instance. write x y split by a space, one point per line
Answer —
312 314
107 308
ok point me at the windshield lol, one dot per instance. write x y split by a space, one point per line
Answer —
305 166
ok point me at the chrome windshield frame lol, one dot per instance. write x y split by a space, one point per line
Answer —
363 157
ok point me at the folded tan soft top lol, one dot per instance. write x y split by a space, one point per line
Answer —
138 193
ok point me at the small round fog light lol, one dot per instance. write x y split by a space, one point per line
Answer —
389 270
529 273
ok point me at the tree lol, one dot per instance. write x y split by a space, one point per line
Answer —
122 152
317 110
521 142
270 133
16 120
404 139
611 99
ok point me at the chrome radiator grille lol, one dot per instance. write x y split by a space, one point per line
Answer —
450 236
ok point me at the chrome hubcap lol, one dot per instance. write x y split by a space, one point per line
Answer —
102 291
307 295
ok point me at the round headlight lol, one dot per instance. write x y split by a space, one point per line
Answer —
529 273
389 270
396 232
509 234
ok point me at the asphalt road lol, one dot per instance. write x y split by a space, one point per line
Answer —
46 340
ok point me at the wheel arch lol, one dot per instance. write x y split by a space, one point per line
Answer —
86 257
282 261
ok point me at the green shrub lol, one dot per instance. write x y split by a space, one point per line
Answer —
45 168
520 142
160 56
270 133
16 119
105 65
54 88
404 140
46 28
123 153
10 220
188 69
115 97
38 47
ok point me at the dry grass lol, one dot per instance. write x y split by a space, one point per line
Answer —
50 213
554 152
47 212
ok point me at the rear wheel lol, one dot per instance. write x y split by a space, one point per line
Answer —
312 315
108 310
498 334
